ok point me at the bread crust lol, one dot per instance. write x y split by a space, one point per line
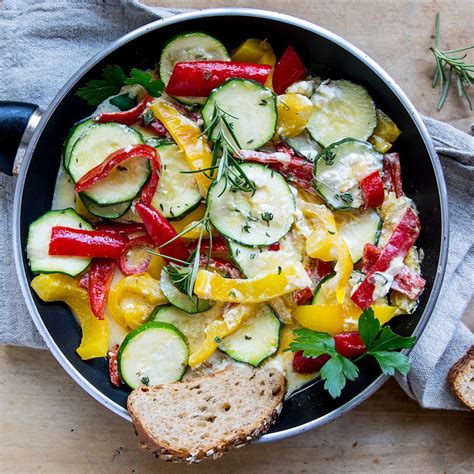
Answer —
167 452
458 370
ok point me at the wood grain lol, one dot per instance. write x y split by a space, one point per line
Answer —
48 424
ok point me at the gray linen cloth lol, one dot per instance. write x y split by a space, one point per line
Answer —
42 43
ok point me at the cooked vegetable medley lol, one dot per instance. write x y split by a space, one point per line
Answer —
229 207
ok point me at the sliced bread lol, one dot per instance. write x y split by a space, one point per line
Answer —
202 418
461 379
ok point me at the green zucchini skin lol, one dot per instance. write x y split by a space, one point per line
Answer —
74 134
237 217
333 172
251 109
93 147
113 211
179 299
39 235
132 355
255 340
341 109
193 46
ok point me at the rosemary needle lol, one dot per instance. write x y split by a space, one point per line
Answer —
449 66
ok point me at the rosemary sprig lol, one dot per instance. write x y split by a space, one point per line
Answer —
448 64
183 272
225 154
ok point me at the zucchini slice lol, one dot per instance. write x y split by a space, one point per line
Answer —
91 149
358 229
179 299
74 134
255 340
251 109
153 354
320 296
105 212
191 325
340 168
304 146
178 193
190 47
341 109
39 236
258 261
253 219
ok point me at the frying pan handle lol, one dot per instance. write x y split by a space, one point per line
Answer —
17 123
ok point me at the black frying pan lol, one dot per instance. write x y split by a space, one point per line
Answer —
324 53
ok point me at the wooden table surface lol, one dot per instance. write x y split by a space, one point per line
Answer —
49 424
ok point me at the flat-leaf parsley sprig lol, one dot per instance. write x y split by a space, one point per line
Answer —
113 79
449 65
380 344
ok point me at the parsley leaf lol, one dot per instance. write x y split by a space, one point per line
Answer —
97 90
153 86
376 340
391 361
335 372
338 369
113 78
312 343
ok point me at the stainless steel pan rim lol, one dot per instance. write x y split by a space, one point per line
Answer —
68 367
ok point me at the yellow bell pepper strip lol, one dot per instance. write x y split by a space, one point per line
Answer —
133 298
212 286
256 51
294 112
323 215
219 329
328 247
385 133
331 318
156 265
188 136
95 332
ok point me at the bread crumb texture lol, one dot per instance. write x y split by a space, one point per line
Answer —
202 418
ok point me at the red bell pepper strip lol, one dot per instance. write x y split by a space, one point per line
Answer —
158 127
161 232
275 247
102 170
372 190
408 282
86 243
392 173
347 344
284 148
303 296
317 270
295 169
121 227
402 239
134 258
198 78
222 266
149 190
127 117
288 70
100 278
84 281
113 366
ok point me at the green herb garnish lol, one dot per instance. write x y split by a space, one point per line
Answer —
113 79
449 65
338 369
